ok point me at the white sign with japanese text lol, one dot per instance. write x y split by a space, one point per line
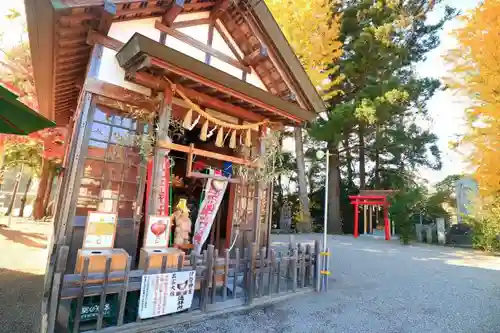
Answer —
100 231
162 294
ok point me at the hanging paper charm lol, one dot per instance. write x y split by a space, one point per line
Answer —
188 119
204 131
219 141
232 141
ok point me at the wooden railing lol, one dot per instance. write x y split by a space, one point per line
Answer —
223 280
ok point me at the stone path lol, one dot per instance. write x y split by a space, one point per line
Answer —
380 286
23 254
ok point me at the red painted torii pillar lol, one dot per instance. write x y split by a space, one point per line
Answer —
375 200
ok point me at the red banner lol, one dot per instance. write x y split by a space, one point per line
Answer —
162 198
214 192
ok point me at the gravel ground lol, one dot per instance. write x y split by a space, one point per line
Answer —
23 257
380 286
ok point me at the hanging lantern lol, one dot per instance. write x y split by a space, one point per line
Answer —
204 131
219 141
232 141
188 119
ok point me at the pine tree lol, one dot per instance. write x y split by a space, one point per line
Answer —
380 93
312 30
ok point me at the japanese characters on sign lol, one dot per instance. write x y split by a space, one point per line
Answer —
161 199
100 231
214 193
162 294
163 195
157 232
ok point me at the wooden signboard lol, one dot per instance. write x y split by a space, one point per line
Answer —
100 231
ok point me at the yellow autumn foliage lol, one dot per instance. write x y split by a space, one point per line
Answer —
476 72
313 32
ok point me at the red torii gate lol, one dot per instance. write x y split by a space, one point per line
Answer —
373 198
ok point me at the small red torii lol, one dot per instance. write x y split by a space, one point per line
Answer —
373 198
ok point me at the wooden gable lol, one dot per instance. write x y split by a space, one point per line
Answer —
61 44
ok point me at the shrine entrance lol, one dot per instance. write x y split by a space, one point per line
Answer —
372 200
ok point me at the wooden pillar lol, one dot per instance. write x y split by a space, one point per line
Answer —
230 214
371 219
259 185
159 155
356 218
386 223
365 222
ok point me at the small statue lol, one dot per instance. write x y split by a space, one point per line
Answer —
182 223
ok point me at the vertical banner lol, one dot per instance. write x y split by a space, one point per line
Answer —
163 194
162 294
214 192
162 198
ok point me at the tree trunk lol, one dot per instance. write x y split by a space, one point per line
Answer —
348 157
38 210
14 192
305 226
25 197
46 199
376 174
362 171
334 223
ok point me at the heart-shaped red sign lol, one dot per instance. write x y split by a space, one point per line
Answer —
158 228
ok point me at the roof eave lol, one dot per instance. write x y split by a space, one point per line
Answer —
39 16
283 49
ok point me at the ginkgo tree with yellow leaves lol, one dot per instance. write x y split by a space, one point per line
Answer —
476 73
312 29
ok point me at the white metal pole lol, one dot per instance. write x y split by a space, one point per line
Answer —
326 200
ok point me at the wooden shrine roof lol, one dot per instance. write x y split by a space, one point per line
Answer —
382 193
142 54
58 32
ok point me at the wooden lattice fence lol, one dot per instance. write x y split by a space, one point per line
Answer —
108 301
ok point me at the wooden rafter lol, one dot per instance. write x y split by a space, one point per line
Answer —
210 40
172 12
256 56
201 46
107 13
193 174
95 37
227 90
205 153
68 4
190 23
227 40
155 83
118 93
219 9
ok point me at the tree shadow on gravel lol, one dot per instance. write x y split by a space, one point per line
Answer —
30 239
